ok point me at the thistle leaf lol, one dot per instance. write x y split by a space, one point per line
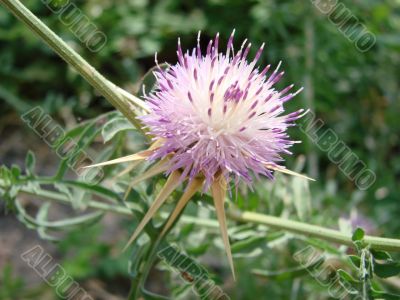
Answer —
114 126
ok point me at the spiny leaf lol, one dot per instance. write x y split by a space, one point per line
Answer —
114 126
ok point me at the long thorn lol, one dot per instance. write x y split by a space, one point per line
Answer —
218 189
171 184
193 187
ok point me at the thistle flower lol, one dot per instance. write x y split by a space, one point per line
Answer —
215 119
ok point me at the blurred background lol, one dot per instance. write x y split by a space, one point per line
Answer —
355 93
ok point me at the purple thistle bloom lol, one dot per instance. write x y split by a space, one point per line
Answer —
213 118
219 114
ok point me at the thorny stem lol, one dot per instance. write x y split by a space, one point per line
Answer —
125 102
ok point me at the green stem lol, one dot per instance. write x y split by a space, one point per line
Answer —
330 235
118 209
138 283
301 228
126 103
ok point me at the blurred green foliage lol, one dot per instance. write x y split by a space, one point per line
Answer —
356 94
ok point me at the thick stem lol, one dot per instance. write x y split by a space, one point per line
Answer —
126 103
330 235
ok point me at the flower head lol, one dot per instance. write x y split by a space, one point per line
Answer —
213 117
219 114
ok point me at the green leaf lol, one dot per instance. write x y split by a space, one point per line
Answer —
290 273
30 162
5 175
114 126
94 189
301 198
148 81
381 255
199 250
138 252
355 260
358 235
248 244
347 277
86 132
15 172
42 217
249 254
81 221
387 269
272 236
323 245
384 295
